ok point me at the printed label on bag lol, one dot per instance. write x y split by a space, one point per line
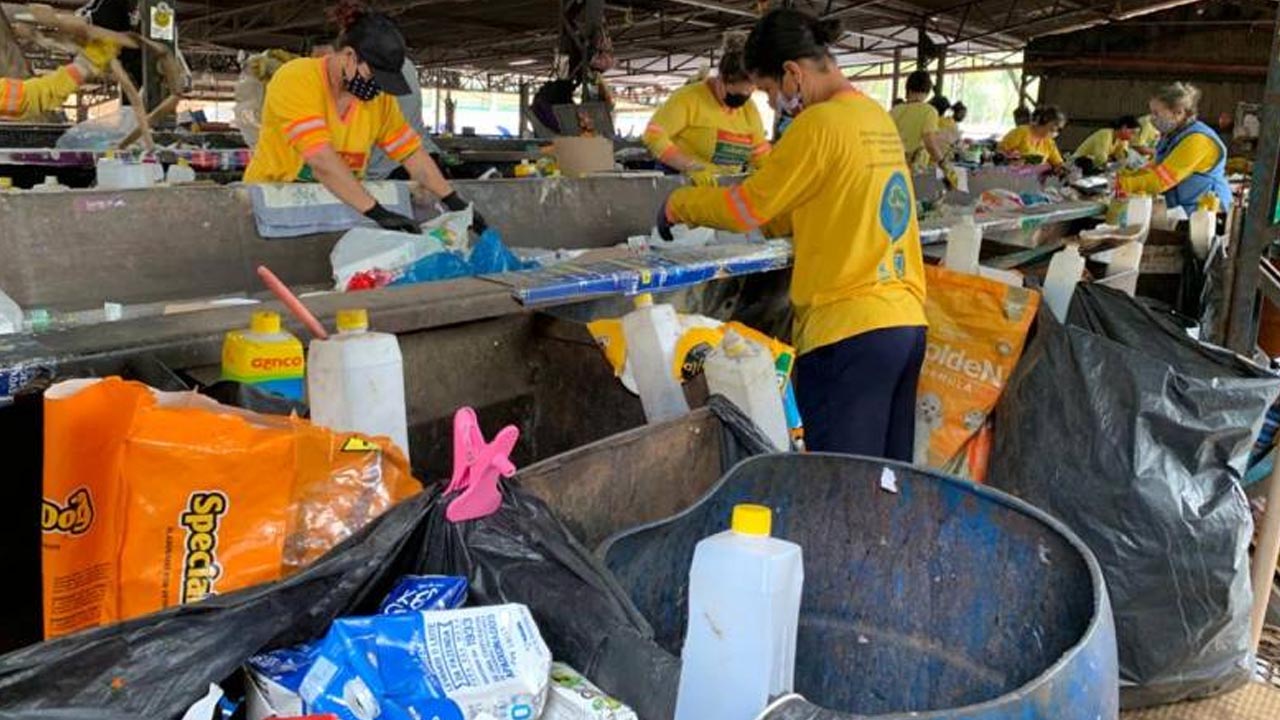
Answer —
200 568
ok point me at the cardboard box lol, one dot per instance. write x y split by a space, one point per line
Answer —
578 156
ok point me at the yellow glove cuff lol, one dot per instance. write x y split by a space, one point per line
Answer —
100 53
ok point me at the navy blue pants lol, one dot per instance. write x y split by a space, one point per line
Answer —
858 396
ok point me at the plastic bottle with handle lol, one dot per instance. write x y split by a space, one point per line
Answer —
744 613
355 381
1060 284
745 373
964 246
651 332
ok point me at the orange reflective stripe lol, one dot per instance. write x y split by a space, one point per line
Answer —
762 148
668 153
399 140
755 220
314 150
11 93
738 211
310 137
655 128
1167 180
297 128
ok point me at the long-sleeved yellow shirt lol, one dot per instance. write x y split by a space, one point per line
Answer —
694 122
1195 153
1103 147
21 99
1021 141
838 180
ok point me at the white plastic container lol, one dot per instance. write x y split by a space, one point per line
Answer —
355 381
964 245
1060 284
744 610
116 174
1139 211
652 332
180 172
745 373
1203 227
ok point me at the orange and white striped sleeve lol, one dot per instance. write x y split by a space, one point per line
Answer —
665 125
26 98
398 140
296 99
1194 153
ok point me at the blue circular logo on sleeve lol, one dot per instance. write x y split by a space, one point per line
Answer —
895 207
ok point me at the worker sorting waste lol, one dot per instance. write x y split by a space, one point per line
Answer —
1036 142
26 99
711 128
1107 145
323 116
839 184
1190 161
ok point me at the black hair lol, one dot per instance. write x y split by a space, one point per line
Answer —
356 23
1048 115
940 103
733 61
919 82
1126 122
1022 114
787 35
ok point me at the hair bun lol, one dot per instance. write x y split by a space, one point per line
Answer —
734 42
828 32
347 13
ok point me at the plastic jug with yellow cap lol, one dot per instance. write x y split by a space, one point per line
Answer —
744 610
266 356
355 381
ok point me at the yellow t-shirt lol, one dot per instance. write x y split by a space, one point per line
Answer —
300 117
1103 147
1194 153
694 122
838 181
914 121
1148 135
1021 141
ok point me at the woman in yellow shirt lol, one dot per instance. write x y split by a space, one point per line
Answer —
1107 144
1037 138
322 116
839 185
1190 161
918 122
711 128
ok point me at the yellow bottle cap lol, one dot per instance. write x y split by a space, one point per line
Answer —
265 323
754 520
644 300
353 320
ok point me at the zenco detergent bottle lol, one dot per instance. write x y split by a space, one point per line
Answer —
744 613
355 381
265 356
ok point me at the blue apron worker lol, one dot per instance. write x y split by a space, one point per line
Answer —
1190 162
322 117
839 185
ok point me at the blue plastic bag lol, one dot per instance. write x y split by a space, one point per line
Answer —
434 267
491 256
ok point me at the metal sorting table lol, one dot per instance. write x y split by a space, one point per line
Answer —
1021 228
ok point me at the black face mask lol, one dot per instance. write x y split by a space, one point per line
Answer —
365 89
736 100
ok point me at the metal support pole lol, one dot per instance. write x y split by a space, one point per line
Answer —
897 74
1260 217
160 24
436 128
581 30
942 71
525 129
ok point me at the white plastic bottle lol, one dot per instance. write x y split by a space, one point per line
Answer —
180 172
355 381
745 373
1060 284
744 612
652 332
964 245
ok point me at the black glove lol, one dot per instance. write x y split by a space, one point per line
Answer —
388 220
664 223
455 203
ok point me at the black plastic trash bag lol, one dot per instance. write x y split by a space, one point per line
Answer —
156 666
1137 437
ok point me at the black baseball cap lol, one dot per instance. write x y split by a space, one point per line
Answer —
378 43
